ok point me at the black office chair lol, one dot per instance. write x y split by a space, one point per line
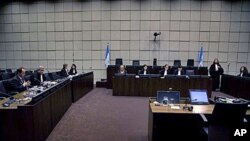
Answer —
28 72
136 62
6 76
190 62
48 77
226 117
177 63
5 89
2 90
9 70
118 61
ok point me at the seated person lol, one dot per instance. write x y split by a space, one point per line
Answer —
73 70
165 71
64 71
18 83
37 78
144 71
243 72
122 70
179 71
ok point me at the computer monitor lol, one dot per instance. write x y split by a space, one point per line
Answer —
189 72
198 97
172 97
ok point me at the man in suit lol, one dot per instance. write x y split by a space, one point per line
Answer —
37 78
144 71
165 71
18 83
179 71
64 71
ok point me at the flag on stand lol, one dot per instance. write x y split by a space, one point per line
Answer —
107 56
201 57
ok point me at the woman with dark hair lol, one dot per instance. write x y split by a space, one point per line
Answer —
144 70
64 71
215 71
73 70
243 72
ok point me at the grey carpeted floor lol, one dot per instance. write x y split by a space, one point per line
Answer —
99 116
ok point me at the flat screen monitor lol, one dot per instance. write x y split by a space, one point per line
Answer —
189 72
198 97
172 97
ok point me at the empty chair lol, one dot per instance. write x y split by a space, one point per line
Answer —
9 70
48 77
225 118
5 89
177 63
28 72
2 90
190 62
136 63
6 76
118 61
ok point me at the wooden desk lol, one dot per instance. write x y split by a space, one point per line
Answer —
35 120
131 86
112 69
236 86
174 124
81 85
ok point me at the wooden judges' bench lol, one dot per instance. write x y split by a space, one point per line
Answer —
112 69
148 86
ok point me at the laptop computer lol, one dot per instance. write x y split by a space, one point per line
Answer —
198 97
172 97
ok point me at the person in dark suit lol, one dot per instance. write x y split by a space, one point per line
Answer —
73 70
122 70
243 72
64 71
37 78
144 70
179 71
165 71
18 83
215 71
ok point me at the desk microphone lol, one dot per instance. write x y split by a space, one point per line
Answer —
186 107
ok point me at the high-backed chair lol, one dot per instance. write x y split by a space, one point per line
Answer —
118 61
177 63
5 76
226 117
190 62
136 62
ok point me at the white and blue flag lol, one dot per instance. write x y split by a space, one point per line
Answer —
201 57
107 56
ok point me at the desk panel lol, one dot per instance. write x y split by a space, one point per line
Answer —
146 86
81 85
35 121
112 69
236 86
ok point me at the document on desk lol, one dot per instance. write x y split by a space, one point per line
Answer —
175 106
